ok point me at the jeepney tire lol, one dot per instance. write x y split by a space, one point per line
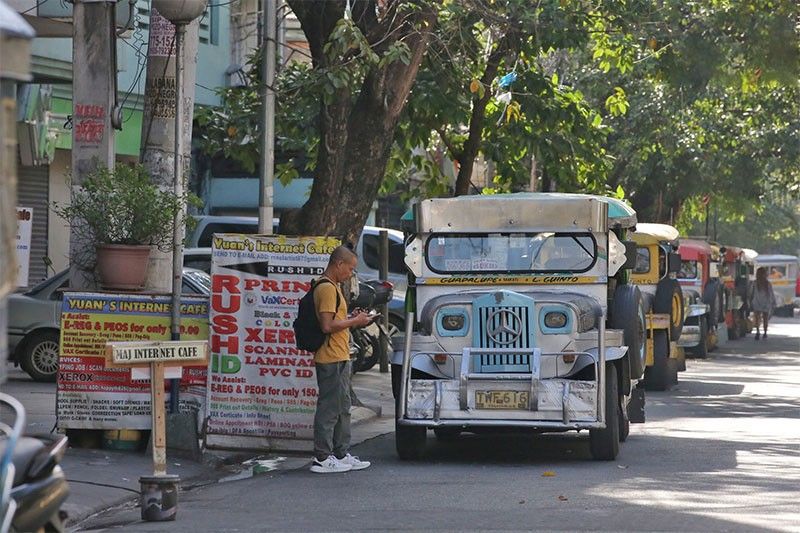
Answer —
669 300
701 350
396 376
409 441
710 298
659 376
447 434
604 443
627 314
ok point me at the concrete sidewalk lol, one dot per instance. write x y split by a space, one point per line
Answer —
100 479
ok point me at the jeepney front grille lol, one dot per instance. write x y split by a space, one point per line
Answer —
503 327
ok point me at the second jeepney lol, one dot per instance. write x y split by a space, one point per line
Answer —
521 315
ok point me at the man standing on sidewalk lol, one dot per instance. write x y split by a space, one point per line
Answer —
332 362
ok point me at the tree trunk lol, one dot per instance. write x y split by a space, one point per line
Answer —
472 145
355 137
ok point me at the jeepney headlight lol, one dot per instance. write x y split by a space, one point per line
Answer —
453 322
555 319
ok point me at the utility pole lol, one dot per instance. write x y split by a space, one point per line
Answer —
94 87
158 121
267 156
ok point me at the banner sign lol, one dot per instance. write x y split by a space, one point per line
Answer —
92 396
169 352
24 231
260 385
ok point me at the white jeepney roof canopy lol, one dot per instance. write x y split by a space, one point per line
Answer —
523 212
655 232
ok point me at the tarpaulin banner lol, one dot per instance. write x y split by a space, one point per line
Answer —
260 385
92 396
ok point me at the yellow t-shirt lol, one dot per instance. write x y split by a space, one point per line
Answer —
337 345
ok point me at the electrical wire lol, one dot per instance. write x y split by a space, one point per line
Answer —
34 7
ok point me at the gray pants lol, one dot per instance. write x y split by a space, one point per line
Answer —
332 419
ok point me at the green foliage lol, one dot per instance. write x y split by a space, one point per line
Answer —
123 206
664 102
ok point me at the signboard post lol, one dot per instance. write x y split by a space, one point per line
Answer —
158 355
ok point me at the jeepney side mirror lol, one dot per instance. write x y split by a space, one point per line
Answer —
630 255
674 263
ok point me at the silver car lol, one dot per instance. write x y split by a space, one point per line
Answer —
34 319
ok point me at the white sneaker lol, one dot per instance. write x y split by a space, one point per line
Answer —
354 462
331 465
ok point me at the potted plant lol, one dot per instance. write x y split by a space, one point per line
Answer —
125 215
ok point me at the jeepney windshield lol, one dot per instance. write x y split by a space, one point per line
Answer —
454 253
689 270
642 260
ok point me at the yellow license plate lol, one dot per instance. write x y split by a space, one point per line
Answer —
502 399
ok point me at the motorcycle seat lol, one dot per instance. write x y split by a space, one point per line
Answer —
25 452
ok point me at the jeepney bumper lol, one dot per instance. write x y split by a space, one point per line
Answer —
690 336
556 403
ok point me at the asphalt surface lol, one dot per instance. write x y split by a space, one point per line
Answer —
719 452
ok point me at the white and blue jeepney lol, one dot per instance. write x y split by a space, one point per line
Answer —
520 315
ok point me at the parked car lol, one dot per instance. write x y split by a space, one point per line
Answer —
34 321
367 248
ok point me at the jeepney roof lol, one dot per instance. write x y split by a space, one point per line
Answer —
732 254
776 258
651 233
523 211
749 254
691 248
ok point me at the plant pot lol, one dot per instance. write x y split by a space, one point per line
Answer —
122 267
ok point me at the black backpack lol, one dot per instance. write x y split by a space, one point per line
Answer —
307 332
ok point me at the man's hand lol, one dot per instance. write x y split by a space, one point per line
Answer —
361 319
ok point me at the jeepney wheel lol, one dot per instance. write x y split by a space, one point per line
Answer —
409 441
701 350
627 314
669 300
446 434
604 443
658 377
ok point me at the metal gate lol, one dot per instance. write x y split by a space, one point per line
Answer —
33 190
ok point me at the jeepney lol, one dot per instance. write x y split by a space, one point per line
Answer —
782 274
698 277
655 273
734 276
525 319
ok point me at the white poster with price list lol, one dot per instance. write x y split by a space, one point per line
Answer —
24 231
261 388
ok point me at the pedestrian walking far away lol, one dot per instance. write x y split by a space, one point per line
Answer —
332 362
762 300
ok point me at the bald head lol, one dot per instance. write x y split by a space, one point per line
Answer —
341 265
341 254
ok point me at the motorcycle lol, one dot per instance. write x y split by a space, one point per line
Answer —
32 484
369 342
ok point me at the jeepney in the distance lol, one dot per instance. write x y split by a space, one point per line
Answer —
782 274
699 279
655 273
735 278
524 318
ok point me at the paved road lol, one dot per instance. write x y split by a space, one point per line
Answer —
721 452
